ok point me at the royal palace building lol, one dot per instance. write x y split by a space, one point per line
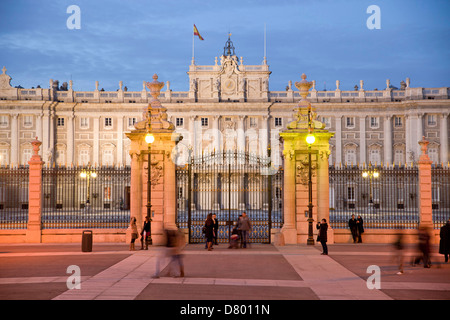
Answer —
229 106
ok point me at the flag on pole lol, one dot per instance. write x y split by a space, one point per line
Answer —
196 33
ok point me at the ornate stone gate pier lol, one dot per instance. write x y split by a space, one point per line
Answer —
162 176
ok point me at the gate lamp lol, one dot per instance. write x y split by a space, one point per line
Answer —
310 138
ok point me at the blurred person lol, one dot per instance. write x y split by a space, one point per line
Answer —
238 227
353 228
209 231
246 227
424 247
145 233
323 237
216 229
399 247
359 228
134 233
444 243
175 242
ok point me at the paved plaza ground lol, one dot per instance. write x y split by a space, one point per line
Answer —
258 273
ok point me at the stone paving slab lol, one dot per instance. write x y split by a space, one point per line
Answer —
258 273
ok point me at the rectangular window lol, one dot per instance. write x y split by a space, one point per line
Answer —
327 121
108 122
4 121
253 122
204 122
374 123
278 122
350 122
179 122
26 156
398 121
60 122
4 160
131 122
84 123
431 120
27 121
351 193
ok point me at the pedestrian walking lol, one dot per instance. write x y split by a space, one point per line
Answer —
209 231
444 243
245 227
323 235
145 233
175 242
134 233
216 229
353 228
424 247
359 228
398 249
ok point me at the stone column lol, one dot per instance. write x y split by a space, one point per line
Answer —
119 148
289 229
33 234
425 191
39 127
338 146
216 134
70 140
362 140
409 157
240 143
418 130
263 137
192 132
96 140
14 159
443 138
387 140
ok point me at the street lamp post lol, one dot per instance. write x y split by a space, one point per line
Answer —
310 139
371 174
149 139
87 174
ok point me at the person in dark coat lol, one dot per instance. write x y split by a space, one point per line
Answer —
209 231
360 228
216 229
444 243
353 228
323 238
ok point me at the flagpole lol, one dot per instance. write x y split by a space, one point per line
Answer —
193 38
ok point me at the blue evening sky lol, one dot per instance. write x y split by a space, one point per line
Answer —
131 40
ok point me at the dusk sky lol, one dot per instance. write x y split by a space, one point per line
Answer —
129 41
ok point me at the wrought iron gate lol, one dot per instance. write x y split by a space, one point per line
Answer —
227 184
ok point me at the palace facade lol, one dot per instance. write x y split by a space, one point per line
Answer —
229 106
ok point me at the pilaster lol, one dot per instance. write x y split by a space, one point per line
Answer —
425 188
33 233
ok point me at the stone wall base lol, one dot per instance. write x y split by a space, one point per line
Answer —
277 237
63 236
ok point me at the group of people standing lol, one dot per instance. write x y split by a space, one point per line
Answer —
211 230
356 228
